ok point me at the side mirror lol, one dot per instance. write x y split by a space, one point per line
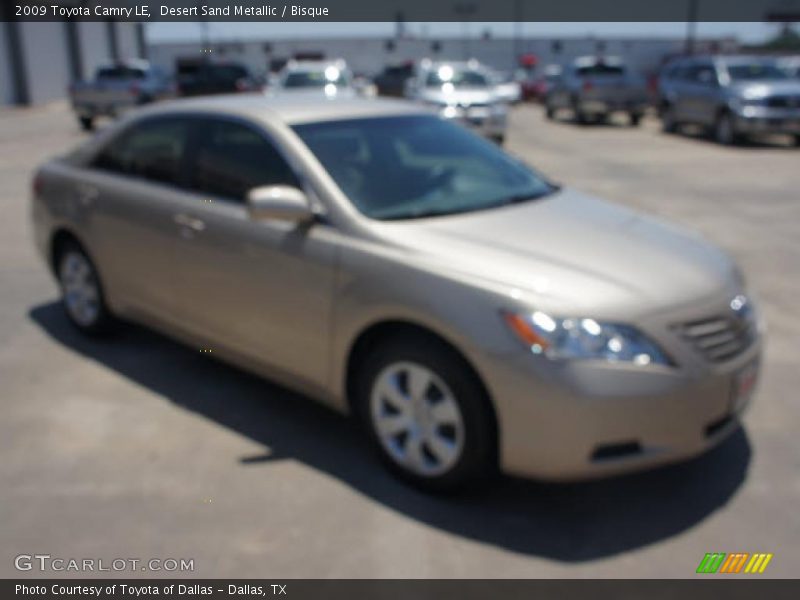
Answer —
278 203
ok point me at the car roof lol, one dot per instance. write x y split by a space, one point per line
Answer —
314 65
724 59
592 60
288 109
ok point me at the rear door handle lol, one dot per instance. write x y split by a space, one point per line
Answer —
189 222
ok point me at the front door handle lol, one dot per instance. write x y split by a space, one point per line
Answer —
189 222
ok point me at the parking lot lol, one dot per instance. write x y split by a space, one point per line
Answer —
137 447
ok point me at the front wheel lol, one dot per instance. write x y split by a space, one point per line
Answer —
725 130
668 122
426 414
81 291
635 119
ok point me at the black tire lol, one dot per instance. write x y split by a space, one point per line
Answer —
102 321
635 119
725 131
477 457
796 141
87 123
499 139
668 122
581 118
550 112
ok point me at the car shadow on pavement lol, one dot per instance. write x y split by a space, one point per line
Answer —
567 522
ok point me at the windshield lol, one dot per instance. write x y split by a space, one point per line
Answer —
120 73
418 166
315 79
456 77
601 70
755 72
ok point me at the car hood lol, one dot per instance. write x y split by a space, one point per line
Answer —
761 89
572 252
458 96
315 92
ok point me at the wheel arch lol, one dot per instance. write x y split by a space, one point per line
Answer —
59 238
378 332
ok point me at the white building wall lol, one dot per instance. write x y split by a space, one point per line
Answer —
93 41
44 48
126 41
6 79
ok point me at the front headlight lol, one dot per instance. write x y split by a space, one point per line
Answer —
584 339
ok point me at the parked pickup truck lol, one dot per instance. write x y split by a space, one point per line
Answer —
116 88
595 87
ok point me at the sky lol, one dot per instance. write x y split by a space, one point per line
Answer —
219 30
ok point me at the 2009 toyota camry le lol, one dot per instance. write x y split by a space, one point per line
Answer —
396 266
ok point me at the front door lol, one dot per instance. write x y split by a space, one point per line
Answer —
262 289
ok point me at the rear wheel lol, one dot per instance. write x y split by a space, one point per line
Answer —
668 122
549 112
87 123
634 119
81 290
425 413
580 117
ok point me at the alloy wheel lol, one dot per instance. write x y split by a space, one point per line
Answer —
79 285
417 419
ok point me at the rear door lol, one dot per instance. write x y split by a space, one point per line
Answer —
700 92
134 184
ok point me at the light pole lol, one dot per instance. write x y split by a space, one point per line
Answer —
691 26
465 10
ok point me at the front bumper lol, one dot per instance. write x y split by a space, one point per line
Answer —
576 420
754 120
606 106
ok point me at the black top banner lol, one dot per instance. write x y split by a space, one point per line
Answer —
405 10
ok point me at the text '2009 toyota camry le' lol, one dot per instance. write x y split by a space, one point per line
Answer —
396 266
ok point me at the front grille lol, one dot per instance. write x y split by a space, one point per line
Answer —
784 101
718 338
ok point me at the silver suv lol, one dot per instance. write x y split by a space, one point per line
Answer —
733 96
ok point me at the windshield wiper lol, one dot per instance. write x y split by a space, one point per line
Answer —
520 198
442 212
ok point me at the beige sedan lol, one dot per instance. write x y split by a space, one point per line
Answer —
394 265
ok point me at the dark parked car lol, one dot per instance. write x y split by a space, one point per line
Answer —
392 81
204 78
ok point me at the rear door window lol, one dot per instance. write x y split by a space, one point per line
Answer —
151 150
